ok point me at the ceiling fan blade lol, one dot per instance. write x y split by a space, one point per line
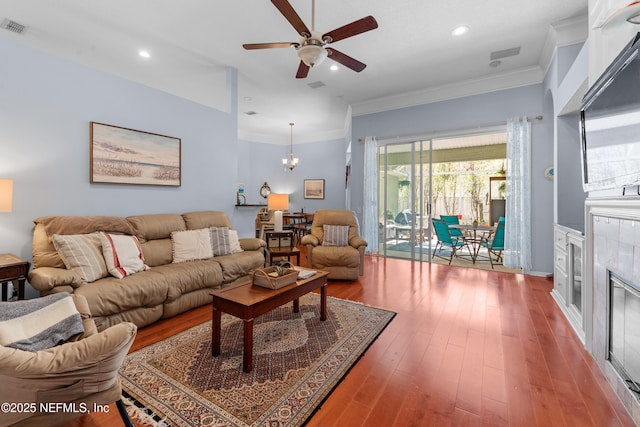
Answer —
294 19
303 71
345 60
363 25
251 46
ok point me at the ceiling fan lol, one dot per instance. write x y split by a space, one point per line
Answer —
312 48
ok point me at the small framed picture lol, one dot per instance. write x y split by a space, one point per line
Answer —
314 188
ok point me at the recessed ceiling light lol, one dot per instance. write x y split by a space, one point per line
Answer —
463 29
495 64
144 53
334 67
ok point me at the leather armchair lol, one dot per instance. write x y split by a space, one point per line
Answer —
79 374
342 262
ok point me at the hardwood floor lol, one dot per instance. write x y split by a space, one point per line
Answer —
468 347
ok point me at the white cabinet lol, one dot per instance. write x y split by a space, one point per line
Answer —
568 288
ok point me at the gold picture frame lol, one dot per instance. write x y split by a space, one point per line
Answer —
119 155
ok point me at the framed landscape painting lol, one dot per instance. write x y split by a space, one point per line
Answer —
126 156
314 188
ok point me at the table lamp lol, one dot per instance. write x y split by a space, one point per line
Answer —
6 195
277 203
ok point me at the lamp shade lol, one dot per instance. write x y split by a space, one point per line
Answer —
6 195
278 202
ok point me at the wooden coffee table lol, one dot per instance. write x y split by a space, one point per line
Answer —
247 302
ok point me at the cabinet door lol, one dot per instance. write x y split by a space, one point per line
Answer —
560 285
576 294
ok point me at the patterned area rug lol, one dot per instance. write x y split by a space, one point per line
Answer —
297 362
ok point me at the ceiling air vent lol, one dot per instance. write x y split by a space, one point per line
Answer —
10 25
316 85
499 54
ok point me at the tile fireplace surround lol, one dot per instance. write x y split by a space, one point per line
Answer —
612 245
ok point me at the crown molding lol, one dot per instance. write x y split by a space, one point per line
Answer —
506 80
563 33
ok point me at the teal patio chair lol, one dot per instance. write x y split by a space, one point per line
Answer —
451 220
495 243
445 239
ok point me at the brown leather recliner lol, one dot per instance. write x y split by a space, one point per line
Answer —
342 262
72 378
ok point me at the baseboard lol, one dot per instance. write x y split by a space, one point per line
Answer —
539 273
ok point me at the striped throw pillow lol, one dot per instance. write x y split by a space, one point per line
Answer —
335 235
220 241
122 254
82 253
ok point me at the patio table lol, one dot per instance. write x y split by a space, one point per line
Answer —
475 241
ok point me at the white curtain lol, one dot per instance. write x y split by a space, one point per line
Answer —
370 197
517 244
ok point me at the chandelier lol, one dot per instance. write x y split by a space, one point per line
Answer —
290 162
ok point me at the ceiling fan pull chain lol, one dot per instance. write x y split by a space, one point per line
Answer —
313 15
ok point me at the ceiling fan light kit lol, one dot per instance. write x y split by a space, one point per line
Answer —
312 48
312 54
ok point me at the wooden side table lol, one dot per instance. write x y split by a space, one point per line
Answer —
15 270
288 252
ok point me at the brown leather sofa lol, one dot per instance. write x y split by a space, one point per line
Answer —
164 290
344 261
79 374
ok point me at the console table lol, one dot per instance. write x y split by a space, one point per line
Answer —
15 270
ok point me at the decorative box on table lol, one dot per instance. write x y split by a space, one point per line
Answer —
268 277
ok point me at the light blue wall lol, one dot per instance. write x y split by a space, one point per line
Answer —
470 112
46 104
564 85
259 162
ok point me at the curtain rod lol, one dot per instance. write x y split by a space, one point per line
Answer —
443 132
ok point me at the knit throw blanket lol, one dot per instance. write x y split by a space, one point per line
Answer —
39 323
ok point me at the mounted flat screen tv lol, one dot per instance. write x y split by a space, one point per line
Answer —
610 124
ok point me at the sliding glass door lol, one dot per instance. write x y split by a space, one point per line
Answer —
458 175
405 194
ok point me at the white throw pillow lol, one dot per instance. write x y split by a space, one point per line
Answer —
235 242
122 254
82 253
335 235
191 245
220 243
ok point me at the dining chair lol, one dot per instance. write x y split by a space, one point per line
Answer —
445 239
495 243
302 228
